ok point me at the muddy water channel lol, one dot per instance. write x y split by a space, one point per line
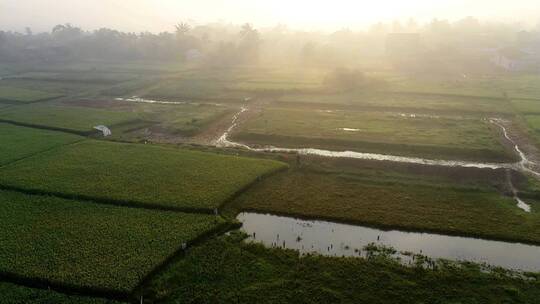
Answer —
224 141
524 165
335 239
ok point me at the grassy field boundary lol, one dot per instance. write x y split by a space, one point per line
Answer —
250 185
64 130
389 109
17 102
69 80
64 288
180 253
111 202
42 127
439 94
40 152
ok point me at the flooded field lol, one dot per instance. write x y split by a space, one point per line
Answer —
335 239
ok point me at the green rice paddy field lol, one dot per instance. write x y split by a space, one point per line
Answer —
408 102
86 245
74 119
384 201
20 142
20 95
17 294
137 174
446 137
100 218
226 270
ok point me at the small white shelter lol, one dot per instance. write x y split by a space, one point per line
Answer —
106 131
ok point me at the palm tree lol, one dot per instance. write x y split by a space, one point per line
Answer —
182 29
247 30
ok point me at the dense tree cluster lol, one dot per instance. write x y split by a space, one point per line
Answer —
439 44
68 42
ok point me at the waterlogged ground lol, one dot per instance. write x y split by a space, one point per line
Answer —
334 239
390 133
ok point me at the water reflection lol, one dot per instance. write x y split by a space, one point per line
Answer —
334 239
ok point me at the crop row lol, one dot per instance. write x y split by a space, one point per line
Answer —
20 95
82 245
137 174
20 142
76 119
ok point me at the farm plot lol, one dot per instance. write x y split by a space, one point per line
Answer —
166 117
405 101
395 133
16 95
52 87
74 119
15 294
190 88
138 174
20 142
371 200
227 270
186 119
89 246
95 77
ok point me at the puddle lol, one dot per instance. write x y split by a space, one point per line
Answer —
335 239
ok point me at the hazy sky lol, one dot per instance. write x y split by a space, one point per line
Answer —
161 15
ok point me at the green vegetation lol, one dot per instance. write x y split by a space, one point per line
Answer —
21 142
155 120
226 270
138 174
372 199
183 119
90 246
185 88
75 119
408 102
387 133
15 294
533 123
520 85
235 84
66 88
19 95
97 77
